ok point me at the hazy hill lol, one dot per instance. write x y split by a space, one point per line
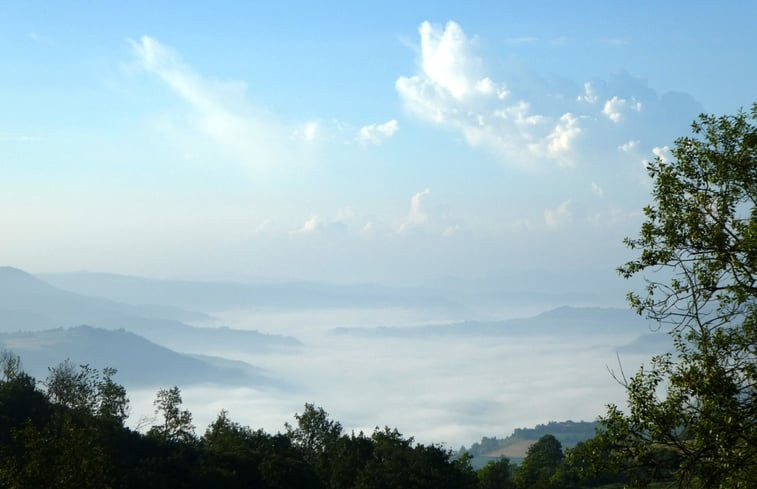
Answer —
562 320
139 362
30 304
221 296
515 446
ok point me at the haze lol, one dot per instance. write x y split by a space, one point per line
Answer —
441 163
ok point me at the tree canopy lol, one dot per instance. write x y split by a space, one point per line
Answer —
699 242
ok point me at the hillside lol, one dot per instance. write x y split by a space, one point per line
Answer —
140 363
574 320
220 296
515 446
30 304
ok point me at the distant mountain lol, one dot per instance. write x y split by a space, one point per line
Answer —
140 363
221 296
561 320
30 304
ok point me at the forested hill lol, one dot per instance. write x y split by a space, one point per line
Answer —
516 445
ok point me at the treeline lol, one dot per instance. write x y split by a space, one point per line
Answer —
70 433
569 433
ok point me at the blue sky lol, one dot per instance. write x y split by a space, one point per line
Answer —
332 141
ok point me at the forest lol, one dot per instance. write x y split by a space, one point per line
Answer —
72 434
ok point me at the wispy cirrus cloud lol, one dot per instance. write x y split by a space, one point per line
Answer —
220 110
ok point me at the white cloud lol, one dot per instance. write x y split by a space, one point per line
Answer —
663 153
417 216
452 89
562 137
376 134
220 109
532 121
558 216
590 96
311 128
447 60
629 146
615 106
311 225
597 190
316 224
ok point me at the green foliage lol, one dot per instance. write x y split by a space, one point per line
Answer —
10 365
496 475
398 462
176 425
113 403
541 463
695 412
315 432
66 437
568 433
82 389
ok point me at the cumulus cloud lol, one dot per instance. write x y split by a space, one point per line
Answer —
589 96
561 138
316 224
375 134
629 146
220 109
417 216
558 216
452 89
615 106
446 59
530 121
663 153
312 225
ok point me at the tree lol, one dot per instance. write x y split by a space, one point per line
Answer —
177 423
72 387
113 404
315 430
496 475
543 458
83 390
700 238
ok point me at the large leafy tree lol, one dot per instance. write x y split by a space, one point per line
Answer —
542 460
699 242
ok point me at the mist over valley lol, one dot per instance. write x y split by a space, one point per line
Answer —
410 358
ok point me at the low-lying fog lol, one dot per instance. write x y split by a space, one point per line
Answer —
439 389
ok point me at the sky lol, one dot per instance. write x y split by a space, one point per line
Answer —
349 142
